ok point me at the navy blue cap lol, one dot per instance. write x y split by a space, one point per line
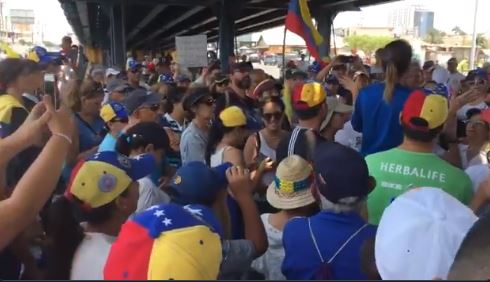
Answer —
332 79
140 97
196 183
341 172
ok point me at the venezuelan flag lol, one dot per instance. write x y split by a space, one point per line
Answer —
299 21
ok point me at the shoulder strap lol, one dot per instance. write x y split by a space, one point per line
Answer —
310 142
258 142
341 247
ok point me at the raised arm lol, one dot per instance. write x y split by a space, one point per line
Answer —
36 185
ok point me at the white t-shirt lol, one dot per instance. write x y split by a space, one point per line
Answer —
454 81
349 137
269 264
478 174
462 112
150 195
479 159
90 257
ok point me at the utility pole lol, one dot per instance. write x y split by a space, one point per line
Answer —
473 42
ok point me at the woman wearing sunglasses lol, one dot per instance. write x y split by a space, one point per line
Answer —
263 144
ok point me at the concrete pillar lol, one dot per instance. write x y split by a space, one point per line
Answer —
324 18
118 40
226 33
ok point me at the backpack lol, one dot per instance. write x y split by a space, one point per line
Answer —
324 272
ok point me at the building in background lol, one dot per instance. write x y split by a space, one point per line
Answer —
22 24
413 20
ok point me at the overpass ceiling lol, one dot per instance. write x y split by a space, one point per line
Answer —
153 24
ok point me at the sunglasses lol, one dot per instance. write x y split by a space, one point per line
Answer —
209 102
269 116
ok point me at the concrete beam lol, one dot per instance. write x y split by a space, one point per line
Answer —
146 20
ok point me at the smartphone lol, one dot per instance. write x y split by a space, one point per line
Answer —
50 88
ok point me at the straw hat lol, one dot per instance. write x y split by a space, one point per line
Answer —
292 184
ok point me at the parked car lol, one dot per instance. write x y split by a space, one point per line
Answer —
270 60
254 58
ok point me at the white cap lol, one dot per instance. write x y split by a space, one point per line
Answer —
440 75
111 71
419 235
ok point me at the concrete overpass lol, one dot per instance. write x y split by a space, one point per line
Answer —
120 25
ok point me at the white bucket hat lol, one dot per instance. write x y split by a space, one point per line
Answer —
334 105
419 235
292 185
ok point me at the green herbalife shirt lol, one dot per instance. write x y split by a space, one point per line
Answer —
397 171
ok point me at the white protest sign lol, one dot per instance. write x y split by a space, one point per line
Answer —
192 50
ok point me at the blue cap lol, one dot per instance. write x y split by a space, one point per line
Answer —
477 73
315 67
134 65
332 79
438 89
166 78
113 110
341 172
196 183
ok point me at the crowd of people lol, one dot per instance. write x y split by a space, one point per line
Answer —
341 172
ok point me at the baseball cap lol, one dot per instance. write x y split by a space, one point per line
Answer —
117 85
485 115
315 67
195 96
436 88
182 78
111 71
341 172
113 110
440 74
167 242
138 98
478 73
101 178
43 57
308 95
233 116
134 65
419 234
429 66
292 185
424 112
335 105
166 78
97 70
196 183
295 73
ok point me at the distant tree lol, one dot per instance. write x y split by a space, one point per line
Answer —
435 36
368 44
458 31
49 44
481 41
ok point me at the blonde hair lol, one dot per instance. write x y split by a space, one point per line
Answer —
391 76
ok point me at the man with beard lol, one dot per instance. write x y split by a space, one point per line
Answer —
237 94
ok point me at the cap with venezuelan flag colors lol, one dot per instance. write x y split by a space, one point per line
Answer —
101 178
167 242
113 110
308 95
424 112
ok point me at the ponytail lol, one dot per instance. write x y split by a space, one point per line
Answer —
216 133
65 235
391 75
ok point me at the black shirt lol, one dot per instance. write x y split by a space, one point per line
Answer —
298 143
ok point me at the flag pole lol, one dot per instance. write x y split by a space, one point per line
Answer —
334 43
284 52
473 40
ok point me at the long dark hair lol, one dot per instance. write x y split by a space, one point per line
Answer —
11 69
273 99
216 133
175 95
396 59
142 135
65 233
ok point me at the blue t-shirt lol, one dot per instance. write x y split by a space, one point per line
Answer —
331 231
108 144
378 121
89 134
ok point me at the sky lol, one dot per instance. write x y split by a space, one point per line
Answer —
448 14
